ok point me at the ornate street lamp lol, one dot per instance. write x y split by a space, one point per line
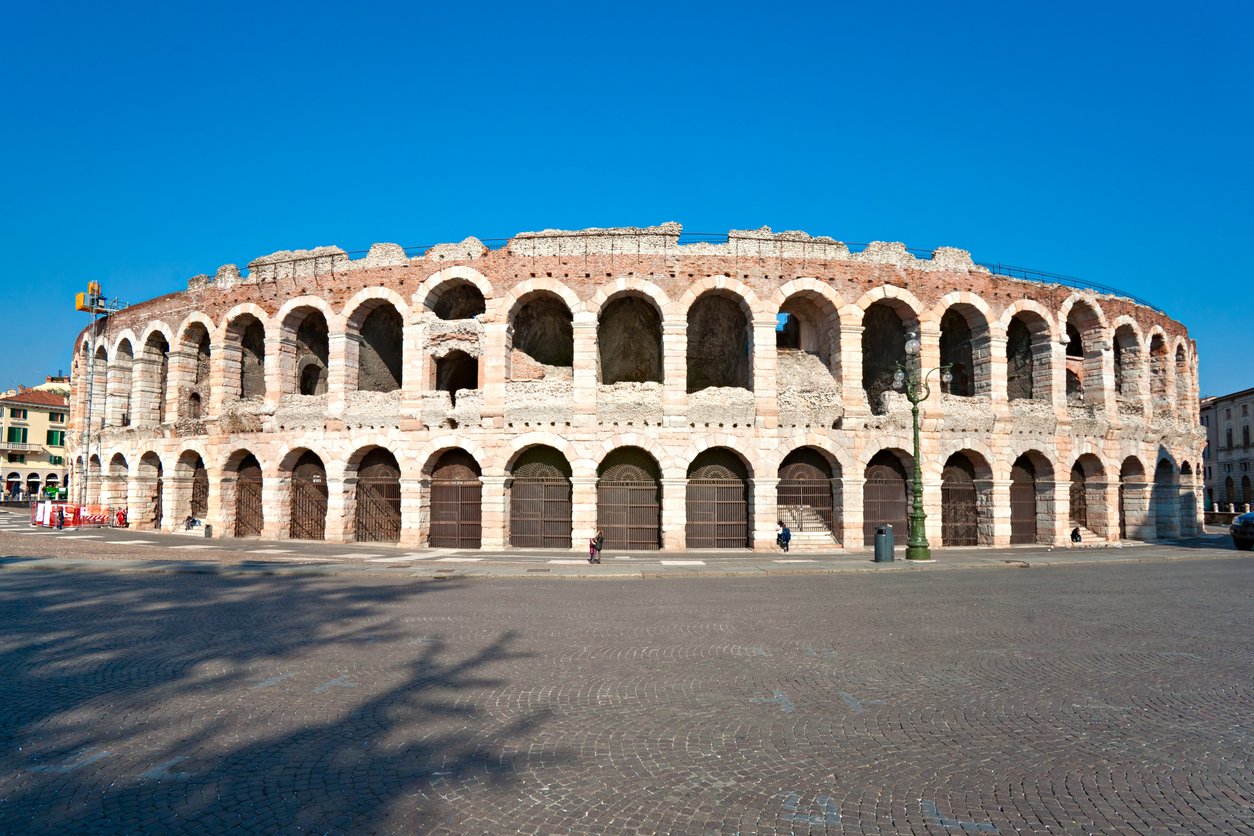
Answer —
909 380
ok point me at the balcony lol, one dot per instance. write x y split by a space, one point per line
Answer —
20 447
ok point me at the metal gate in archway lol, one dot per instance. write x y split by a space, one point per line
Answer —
1079 502
805 499
1022 505
309 499
200 492
717 508
248 510
157 509
457 503
377 517
960 516
629 508
540 507
885 501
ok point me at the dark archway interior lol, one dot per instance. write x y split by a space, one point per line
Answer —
719 341
957 351
788 332
1075 387
312 354
461 301
629 339
543 330
381 353
158 349
883 347
455 371
1019 375
1075 345
252 373
455 466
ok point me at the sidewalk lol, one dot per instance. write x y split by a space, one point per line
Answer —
126 550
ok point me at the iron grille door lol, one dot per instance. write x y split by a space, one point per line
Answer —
884 502
456 516
717 514
378 518
1022 510
807 505
1079 504
248 512
539 513
309 509
959 513
157 510
630 514
200 493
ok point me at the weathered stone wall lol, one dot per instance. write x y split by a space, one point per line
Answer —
589 342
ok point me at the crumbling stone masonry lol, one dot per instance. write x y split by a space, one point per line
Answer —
676 395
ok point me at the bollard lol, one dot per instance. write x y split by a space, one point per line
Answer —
884 544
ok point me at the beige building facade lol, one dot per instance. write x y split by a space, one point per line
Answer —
1229 455
34 436
678 395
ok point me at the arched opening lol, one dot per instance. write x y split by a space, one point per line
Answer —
543 334
1029 358
886 495
629 341
120 383
151 479
1128 370
1134 499
629 500
1166 489
380 346
456 502
308 497
720 341
964 347
808 496
883 347
246 352
807 362
966 501
306 352
456 371
32 485
249 513
377 501
1088 496
192 494
540 500
717 501
95 474
1085 345
1187 502
13 484
809 323
458 300
151 381
1031 502
1185 403
196 350
1160 400
116 481
99 387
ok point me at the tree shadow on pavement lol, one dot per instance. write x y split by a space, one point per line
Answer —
174 703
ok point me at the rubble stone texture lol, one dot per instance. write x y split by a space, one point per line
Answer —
623 350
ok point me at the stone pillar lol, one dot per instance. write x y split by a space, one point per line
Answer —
765 366
931 507
1103 501
144 390
181 377
337 365
929 358
413 374
1053 512
765 513
414 511
227 369
1001 512
275 521
583 509
674 513
851 516
339 527
492 373
675 373
584 384
273 372
495 513
996 363
851 382
138 505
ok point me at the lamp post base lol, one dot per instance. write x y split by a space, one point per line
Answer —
918 553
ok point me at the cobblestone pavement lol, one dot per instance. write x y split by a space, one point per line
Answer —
1102 698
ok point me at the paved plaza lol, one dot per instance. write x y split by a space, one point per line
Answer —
1058 698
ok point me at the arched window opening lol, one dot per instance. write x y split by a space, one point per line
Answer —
960 505
1086 346
308 496
456 371
787 332
807 497
246 338
1075 343
99 388
719 344
377 504
543 332
629 342
456 502
313 351
540 500
807 361
1128 371
1159 398
151 382
886 496
1134 500
1023 501
380 354
958 350
717 501
1029 358
196 351
1088 496
199 500
461 300
883 347
629 500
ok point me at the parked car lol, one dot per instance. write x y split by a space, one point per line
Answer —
1242 531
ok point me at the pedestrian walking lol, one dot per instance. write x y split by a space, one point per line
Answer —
785 537
595 545
60 517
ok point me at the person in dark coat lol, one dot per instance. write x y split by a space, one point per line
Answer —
785 537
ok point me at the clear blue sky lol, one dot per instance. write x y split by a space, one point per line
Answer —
144 143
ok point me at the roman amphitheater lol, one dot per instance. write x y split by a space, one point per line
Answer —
679 391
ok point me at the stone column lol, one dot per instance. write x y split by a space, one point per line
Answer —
1001 512
675 373
492 373
413 375
765 513
584 385
851 380
583 509
337 382
765 366
339 527
674 513
144 390
852 512
997 370
414 511
181 376
495 513
275 521
1053 512
273 371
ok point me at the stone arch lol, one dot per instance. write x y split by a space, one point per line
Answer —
150 478
1129 365
622 286
1086 341
98 404
885 324
304 359
629 338
668 466
375 358
718 504
374 483
733 288
1165 495
964 344
1031 498
151 377
195 358
454 372
541 332
1134 500
120 383
456 500
1161 398
899 298
808 495
244 352
629 499
720 342
1088 494
966 500
308 494
887 493
809 323
463 305
520 444
539 496
191 494
241 493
